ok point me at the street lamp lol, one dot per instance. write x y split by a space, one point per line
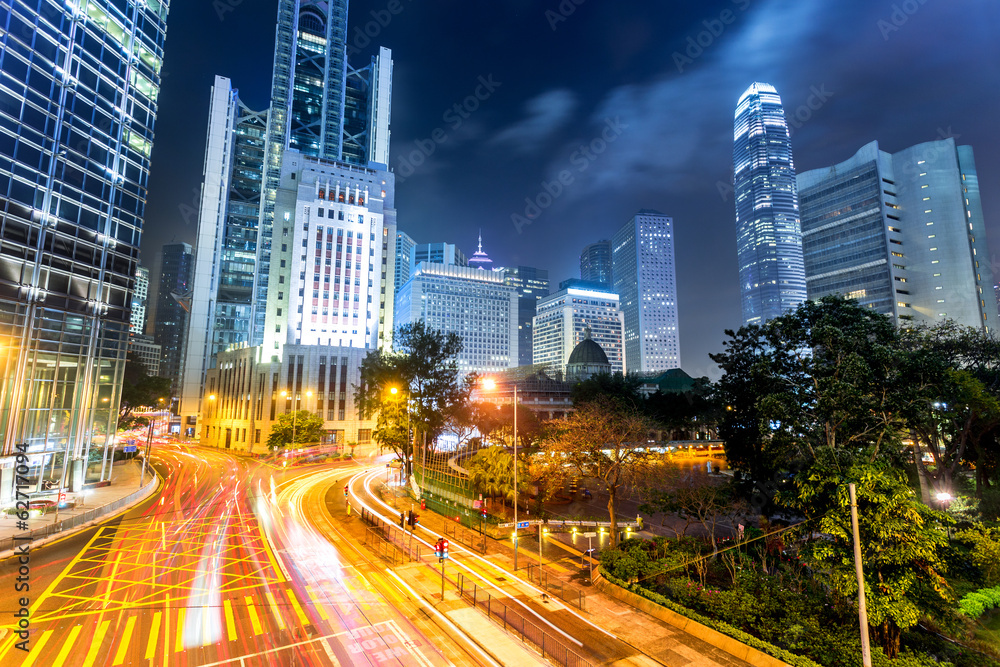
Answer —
489 384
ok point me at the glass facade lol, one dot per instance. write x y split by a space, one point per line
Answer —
171 316
595 263
140 298
769 237
532 285
645 279
77 107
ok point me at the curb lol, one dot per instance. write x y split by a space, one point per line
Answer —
100 518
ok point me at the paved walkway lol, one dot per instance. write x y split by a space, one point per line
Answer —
124 481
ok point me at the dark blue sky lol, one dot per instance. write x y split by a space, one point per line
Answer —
658 80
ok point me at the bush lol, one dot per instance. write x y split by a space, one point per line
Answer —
975 604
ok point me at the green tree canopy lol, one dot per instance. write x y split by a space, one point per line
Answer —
422 367
298 427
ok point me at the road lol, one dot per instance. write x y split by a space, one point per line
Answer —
189 578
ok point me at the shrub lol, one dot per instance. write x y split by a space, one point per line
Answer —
975 604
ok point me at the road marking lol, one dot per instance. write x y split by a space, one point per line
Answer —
166 630
303 619
230 622
317 603
95 644
126 638
67 645
36 648
274 610
179 643
154 633
257 630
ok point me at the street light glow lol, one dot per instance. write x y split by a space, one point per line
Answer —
393 390
489 384
944 496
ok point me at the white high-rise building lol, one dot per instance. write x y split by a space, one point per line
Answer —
564 317
646 281
474 304
140 299
334 222
404 262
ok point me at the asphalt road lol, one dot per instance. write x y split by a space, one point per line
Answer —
190 578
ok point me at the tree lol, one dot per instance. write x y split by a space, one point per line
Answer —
621 387
306 426
680 413
422 367
606 439
901 542
824 377
496 423
139 389
491 471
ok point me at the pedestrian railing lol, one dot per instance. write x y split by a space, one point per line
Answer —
8 543
411 549
556 586
464 536
512 620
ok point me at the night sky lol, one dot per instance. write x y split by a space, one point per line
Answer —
659 80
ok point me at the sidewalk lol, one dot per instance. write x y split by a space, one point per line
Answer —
656 639
91 505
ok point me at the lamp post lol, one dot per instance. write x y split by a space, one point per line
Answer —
295 409
409 440
490 385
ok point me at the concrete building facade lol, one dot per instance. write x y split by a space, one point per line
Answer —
564 319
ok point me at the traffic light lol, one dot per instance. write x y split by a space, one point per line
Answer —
345 490
444 548
483 511
414 520
402 520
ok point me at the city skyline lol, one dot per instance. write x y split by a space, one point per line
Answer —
538 116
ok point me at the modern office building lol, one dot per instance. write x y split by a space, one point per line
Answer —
170 325
902 233
566 317
531 285
768 235
247 391
147 351
474 304
595 263
73 181
329 270
225 263
437 253
404 248
646 282
140 299
321 107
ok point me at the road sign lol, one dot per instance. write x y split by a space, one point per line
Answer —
130 449
62 497
523 524
589 534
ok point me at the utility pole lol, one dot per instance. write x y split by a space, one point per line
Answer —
866 651
515 477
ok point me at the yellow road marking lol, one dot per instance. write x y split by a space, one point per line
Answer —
111 581
230 622
67 645
36 648
317 603
270 554
274 610
8 644
95 644
126 638
303 619
166 630
154 633
253 616
179 644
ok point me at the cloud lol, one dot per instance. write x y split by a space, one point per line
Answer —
544 114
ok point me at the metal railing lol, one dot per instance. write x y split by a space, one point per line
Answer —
558 587
496 609
467 537
401 540
8 543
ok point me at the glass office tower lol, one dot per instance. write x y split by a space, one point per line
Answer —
768 233
595 263
77 108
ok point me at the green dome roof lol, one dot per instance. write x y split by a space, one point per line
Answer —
588 352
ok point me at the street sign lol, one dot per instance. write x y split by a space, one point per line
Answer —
589 534
476 504
62 497
523 524
130 449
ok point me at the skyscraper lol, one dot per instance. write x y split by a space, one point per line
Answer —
479 259
404 246
469 302
80 86
768 236
901 233
645 279
140 297
595 263
170 324
531 284
579 310
437 253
